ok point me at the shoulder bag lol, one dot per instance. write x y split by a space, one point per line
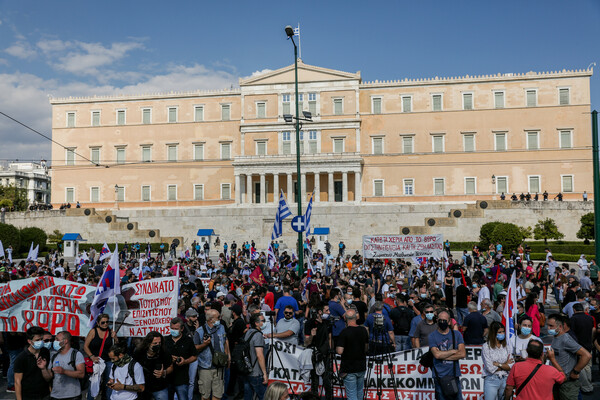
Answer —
528 379
219 358
449 384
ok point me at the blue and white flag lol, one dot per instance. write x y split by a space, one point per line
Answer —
283 212
271 257
307 215
109 286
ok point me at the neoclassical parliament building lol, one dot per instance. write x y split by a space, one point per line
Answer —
442 139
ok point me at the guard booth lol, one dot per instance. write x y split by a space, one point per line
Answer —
71 244
205 236
320 235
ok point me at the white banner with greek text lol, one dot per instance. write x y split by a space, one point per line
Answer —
402 246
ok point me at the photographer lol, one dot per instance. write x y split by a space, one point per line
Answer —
318 337
337 308
381 331
352 346
401 317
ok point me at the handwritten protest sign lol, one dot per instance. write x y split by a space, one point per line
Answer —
402 246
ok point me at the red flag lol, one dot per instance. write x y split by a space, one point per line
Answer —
497 273
257 276
463 277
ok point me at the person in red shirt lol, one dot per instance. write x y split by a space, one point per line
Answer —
541 384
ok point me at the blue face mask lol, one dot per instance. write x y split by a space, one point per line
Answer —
429 316
38 344
552 332
526 331
56 345
174 332
48 345
500 336
217 323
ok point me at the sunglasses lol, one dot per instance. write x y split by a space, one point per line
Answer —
48 340
103 322
288 313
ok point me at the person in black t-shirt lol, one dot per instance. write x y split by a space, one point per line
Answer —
352 345
462 300
183 352
156 363
401 317
235 388
32 377
361 306
317 335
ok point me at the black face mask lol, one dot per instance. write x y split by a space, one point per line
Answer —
443 324
155 348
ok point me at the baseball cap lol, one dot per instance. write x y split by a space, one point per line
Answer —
191 313
220 294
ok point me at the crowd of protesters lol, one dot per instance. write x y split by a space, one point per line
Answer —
232 305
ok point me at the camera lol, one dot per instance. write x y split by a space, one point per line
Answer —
269 313
378 321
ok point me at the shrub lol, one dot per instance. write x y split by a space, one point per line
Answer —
560 257
10 236
587 227
509 235
35 235
547 229
485 233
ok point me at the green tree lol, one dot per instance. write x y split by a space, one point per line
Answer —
17 196
55 236
587 227
485 233
10 236
526 232
547 229
35 235
507 234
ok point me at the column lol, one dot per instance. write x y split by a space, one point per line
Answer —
303 188
249 189
357 187
290 189
238 189
345 186
263 188
330 187
275 188
317 187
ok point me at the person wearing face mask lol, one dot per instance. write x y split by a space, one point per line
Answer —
524 336
48 340
183 352
287 328
360 305
32 376
497 362
97 344
420 337
67 368
157 364
570 356
317 336
256 382
211 339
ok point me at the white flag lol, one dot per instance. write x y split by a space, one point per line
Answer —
1 249
30 252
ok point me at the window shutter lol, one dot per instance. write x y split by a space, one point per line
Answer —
338 145
438 144
469 142
534 184
145 193
531 98
500 142
565 140
378 188
172 114
198 114
172 192
172 153
225 112
121 117
406 104
437 102
198 192
467 101
377 105
470 186
96 118
564 97
95 196
225 151
337 104
260 110
502 184
407 145
439 187
377 145
499 99
121 193
567 183
532 140
225 192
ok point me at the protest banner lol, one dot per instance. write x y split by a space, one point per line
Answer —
57 305
402 246
412 380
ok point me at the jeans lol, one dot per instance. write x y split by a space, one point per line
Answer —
402 342
461 313
585 378
253 385
10 376
493 387
440 396
193 370
161 394
181 390
353 384
105 391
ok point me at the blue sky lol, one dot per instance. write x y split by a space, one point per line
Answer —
80 48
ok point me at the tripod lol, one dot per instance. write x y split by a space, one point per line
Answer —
273 350
379 352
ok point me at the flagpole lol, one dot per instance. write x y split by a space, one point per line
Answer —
299 43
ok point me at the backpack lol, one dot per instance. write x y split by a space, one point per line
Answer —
468 260
83 382
403 322
130 370
240 356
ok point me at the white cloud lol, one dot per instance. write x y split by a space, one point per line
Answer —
261 72
49 46
22 50
87 58
3 61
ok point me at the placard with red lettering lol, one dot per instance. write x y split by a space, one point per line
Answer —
403 246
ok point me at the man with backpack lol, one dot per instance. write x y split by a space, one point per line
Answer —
126 377
235 389
401 317
213 356
68 367
257 378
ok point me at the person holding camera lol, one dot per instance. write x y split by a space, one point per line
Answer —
381 331
318 337
183 352
337 309
352 346
213 356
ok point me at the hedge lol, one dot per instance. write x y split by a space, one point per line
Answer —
155 247
559 257
574 248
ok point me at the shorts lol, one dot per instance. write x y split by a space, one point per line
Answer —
211 380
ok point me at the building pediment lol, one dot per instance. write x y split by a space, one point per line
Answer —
306 73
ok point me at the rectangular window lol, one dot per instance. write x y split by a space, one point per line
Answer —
172 114
198 192
467 101
565 140
469 142
95 118
312 142
377 145
532 141
70 119
120 193
338 145
145 193
301 142
120 117
567 183
438 186
172 152
531 98
563 97
146 116
146 153
406 103
225 151
501 184
438 143
312 103
95 194
378 187
534 184
500 141
286 143
70 195
376 105
407 145
436 102
261 148
338 106
261 110
95 155
171 192
198 113
225 112
70 157
469 185
120 155
498 99
225 191
198 152
300 103
285 104
409 187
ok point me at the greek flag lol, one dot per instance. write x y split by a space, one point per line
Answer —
283 212
297 30
307 215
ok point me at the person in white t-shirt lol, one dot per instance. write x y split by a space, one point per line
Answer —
583 266
525 335
484 293
124 386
